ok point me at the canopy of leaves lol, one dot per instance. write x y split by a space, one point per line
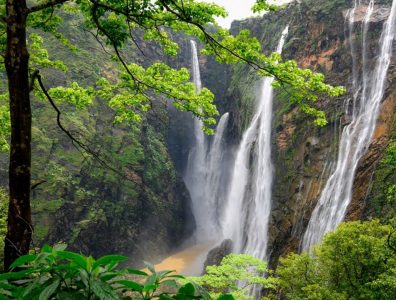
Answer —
357 261
237 275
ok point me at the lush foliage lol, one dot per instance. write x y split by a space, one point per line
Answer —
383 191
357 261
55 273
237 275
389 162
4 123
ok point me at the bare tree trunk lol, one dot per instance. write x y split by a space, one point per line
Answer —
19 232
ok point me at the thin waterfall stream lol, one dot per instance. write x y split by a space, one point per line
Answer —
246 214
368 92
203 172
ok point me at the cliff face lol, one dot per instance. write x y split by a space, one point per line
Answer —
303 154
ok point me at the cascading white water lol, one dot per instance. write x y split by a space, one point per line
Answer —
203 172
248 206
368 92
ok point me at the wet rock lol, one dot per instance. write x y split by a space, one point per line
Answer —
216 255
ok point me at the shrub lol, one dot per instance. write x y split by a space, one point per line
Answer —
55 273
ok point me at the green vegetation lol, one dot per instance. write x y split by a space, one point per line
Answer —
237 274
384 187
357 261
58 274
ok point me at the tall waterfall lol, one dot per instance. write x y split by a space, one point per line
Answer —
368 91
248 205
203 172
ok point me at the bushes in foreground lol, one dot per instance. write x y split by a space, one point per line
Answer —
55 273
357 261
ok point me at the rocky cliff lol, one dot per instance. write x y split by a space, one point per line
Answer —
304 154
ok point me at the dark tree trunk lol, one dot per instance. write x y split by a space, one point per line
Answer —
19 232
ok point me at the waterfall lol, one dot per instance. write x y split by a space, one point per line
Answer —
248 206
203 172
368 91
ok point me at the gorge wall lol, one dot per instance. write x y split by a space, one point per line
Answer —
133 201
304 155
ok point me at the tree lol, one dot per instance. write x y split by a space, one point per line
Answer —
114 22
356 261
238 274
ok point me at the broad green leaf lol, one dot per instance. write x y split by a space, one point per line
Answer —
103 290
131 284
15 275
187 289
75 258
104 260
137 272
23 260
150 287
109 276
162 274
49 290
151 279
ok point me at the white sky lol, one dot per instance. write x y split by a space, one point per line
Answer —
238 9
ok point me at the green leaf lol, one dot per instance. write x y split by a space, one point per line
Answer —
103 290
15 275
226 297
104 260
137 272
176 276
131 284
49 290
166 297
108 276
63 295
187 289
151 287
46 249
23 260
74 257
151 279
162 274
6 285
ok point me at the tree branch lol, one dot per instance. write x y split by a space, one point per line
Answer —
37 184
45 5
74 140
